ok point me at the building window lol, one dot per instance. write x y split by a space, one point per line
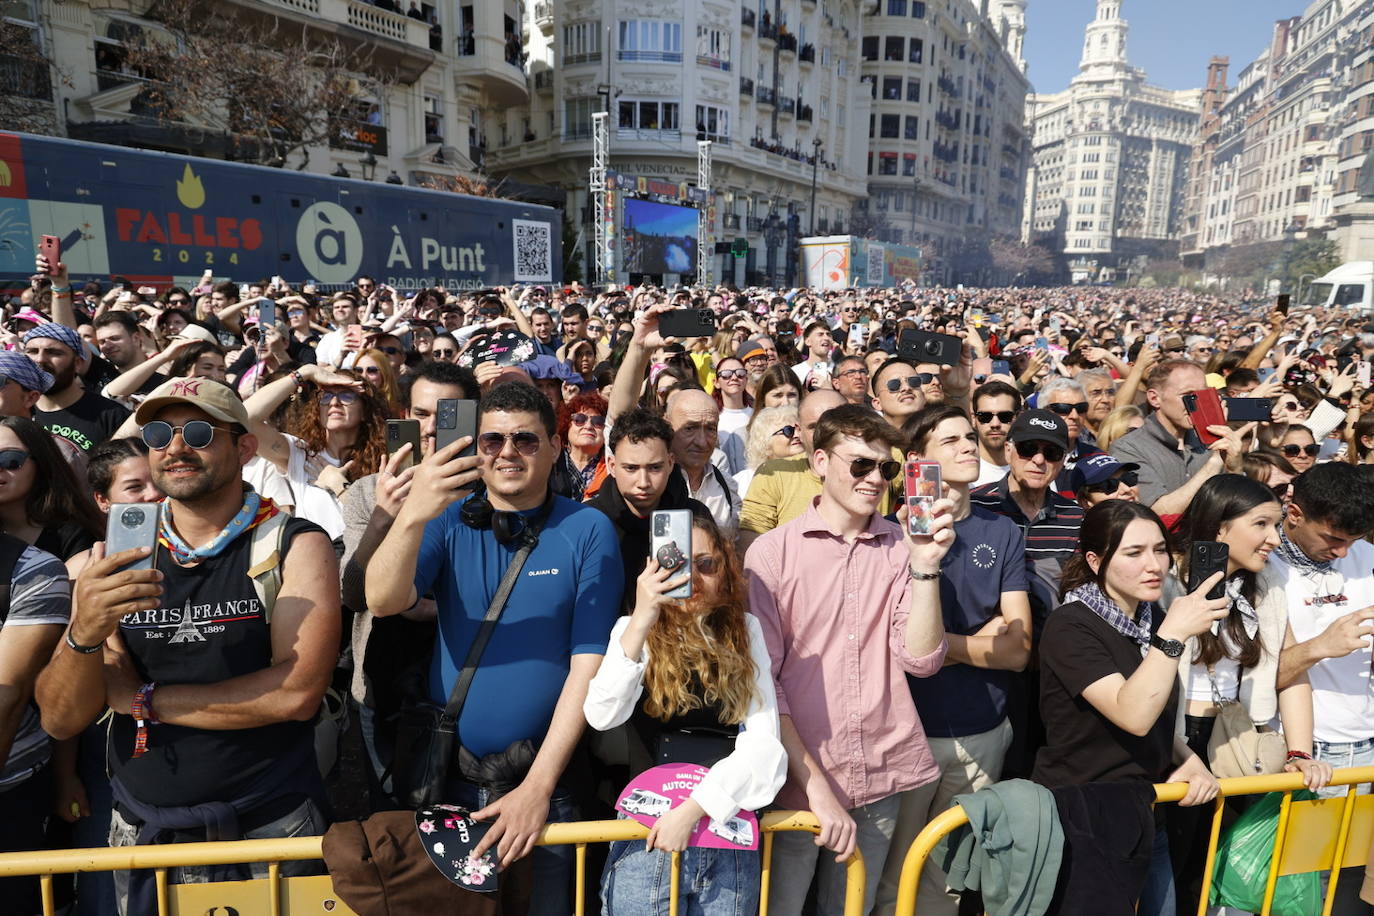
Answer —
917 51
909 165
913 90
434 119
892 88
889 126
577 117
581 42
712 123
896 7
913 128
713 47
648 115
870 47
892 47
651 40
887 163
918 10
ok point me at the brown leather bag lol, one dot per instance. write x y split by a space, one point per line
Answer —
379 868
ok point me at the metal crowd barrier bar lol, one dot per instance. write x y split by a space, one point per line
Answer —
1312 835
278 896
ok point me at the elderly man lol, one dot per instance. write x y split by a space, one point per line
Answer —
1066 397
694 417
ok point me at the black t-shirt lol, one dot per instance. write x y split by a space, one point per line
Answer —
65 541
209 628
1078 649
87 422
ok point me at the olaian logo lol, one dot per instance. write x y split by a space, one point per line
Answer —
1043 423
543 572
329 242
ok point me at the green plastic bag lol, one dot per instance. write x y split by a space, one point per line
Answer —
1242 865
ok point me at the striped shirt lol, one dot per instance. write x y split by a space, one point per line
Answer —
39 594
1051 535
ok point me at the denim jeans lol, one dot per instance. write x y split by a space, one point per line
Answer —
1157 897
379 746
797 859
306 819
714 882
553 865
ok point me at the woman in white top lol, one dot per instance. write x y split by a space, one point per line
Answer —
1239 659
773 432
696 671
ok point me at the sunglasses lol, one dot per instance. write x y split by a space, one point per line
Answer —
854 372
1112 484
1293 451
1290 405
859 468
1029 450
1065 409
343 397
912 381
12 459
732 373
595 328
787 432
391 351
1281 489
706 564
295 313
1003 416
582 419
198 434
493 444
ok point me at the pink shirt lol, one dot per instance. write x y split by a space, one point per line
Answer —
834 619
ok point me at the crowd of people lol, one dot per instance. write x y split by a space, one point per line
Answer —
1060 617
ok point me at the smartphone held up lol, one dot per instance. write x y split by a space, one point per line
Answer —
923 481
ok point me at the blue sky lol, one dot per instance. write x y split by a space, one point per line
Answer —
1171 39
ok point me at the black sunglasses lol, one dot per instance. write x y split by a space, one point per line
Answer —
1311 451
391 351
1112 484
12 459
787 431
1065 409
582 419
1029 450
492 444
198 434
912 381
1003 416
859 468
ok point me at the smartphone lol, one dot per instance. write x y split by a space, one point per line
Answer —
977 317
1265 374
1204 410
267 312
687 323
403 432
50 247
147 291
1282 303
1055 327
857 332
1152 341
454 420
1248 409
278 282
353 337
1042 344
131 525
1362 373
922 489
1206 558
670 542
923 347
1001 367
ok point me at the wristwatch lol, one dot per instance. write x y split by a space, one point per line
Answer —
1170 647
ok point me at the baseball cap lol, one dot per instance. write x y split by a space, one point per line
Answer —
749 349
1040 426
215 398
196 332
19 368
1097 468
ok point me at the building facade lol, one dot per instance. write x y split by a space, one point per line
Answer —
1111 156
948 151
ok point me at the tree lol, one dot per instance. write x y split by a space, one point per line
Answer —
868 222
271 87
26 98
1019 263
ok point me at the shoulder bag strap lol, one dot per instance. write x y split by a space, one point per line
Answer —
459 694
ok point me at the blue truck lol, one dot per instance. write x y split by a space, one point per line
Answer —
159 218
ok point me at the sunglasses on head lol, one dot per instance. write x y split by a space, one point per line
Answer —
912 381
493 444
1111 484
1293 451
859 468
1029 450
732 373
1003 416
12 459
343 397
787 432
197 434
582 419
1065 409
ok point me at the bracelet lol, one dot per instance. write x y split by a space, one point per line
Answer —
300 379
1299 755
77 647
142 711
60 290
920 576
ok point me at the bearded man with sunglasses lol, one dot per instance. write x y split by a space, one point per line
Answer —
849 606
213 679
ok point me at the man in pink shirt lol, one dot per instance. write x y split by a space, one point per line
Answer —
848 606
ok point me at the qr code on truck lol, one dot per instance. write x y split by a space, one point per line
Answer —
533 256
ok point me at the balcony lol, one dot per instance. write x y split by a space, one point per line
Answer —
767 95
747 18
746 86
787 105
804 113
787 42
730 221
543 17
715 63
807 55
767 30
493 63
543 80
24 79
753 224
395 40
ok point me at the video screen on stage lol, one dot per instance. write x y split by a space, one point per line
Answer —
659 238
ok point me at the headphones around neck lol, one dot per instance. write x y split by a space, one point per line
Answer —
509 528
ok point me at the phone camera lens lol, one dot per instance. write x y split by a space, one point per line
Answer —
133 518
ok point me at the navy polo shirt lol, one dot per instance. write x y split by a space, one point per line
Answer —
564 604
987 559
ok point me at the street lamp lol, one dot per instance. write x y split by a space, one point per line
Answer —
915 192
815 163
369 166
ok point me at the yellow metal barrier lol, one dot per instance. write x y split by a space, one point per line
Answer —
278 896
1312 835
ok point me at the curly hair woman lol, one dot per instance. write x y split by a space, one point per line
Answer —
582 430
697 666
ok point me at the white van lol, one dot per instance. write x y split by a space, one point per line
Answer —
1350 285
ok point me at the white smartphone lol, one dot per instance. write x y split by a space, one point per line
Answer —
131 525
670 542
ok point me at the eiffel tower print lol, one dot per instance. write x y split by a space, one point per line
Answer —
187 631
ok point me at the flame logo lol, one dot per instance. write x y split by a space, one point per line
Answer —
5 177
190 191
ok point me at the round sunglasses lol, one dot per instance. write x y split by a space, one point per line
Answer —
1293 451
198 434
788 431
596 420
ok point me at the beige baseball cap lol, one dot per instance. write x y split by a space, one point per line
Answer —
214 397
196 332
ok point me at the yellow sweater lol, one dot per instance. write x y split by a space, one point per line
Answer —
784 488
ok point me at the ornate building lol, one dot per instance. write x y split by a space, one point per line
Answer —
1111 159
